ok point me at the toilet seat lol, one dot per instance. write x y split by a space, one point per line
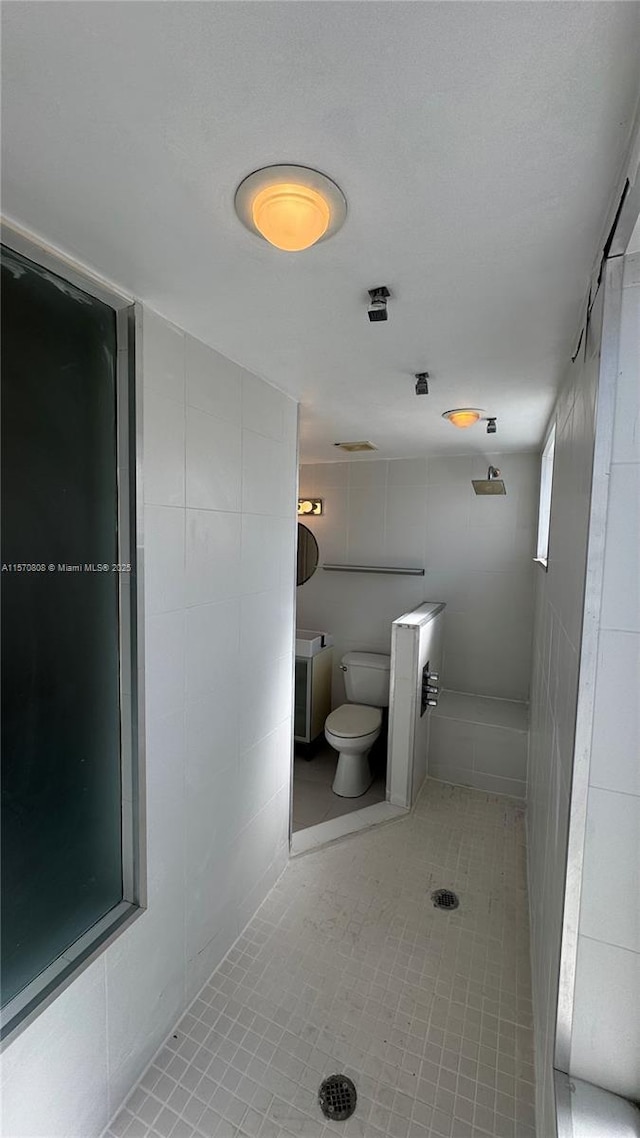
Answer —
353 721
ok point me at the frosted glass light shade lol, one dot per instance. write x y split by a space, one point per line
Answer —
290 216
463 416
291 207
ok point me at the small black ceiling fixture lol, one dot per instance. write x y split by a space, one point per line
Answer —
422 386
491 426
377 309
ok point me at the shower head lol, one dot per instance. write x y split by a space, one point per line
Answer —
492 484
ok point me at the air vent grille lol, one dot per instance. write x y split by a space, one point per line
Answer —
364 445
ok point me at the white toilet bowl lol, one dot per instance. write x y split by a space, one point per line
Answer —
352 729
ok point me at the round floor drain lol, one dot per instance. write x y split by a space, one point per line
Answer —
337 1097
444 899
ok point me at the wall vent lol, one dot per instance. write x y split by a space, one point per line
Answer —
356 446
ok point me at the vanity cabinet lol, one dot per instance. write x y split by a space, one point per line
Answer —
312 702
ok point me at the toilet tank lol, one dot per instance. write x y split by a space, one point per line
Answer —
366 678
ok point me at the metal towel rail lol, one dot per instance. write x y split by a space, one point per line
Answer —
373 569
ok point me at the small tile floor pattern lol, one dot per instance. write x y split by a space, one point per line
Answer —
347 967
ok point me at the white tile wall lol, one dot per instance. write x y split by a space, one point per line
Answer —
265 475
219 394
35 1067
607 992
164 359
212 647
617 719
621 586
585 1109
164 541
219 593
480 742
213 462
604 1044
164 663
556 645
606 1035
476 551
212 564
611 884
164 462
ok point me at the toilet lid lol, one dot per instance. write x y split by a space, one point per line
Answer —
353 720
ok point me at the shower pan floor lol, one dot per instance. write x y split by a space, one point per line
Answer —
348 968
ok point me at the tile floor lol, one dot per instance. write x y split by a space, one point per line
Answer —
313 798
347 967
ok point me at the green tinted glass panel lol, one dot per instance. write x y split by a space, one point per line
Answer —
61 792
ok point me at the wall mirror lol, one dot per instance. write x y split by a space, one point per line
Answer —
307 554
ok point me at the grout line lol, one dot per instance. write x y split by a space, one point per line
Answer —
614 790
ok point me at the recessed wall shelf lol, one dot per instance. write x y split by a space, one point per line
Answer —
373 569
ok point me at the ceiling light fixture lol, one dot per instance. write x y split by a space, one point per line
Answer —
291 207
378 298
463 416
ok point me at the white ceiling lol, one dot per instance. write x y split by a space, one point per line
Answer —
477 145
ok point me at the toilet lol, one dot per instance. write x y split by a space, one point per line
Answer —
353 728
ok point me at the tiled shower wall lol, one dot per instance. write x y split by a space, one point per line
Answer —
607 990
476 551
480 742
219 474
557 638
586 673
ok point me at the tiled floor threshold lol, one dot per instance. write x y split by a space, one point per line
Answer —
303 841
314 801
348 968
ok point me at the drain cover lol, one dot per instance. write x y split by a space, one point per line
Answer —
337 1097
444 899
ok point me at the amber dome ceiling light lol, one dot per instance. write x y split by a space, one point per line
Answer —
291 207
463 416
